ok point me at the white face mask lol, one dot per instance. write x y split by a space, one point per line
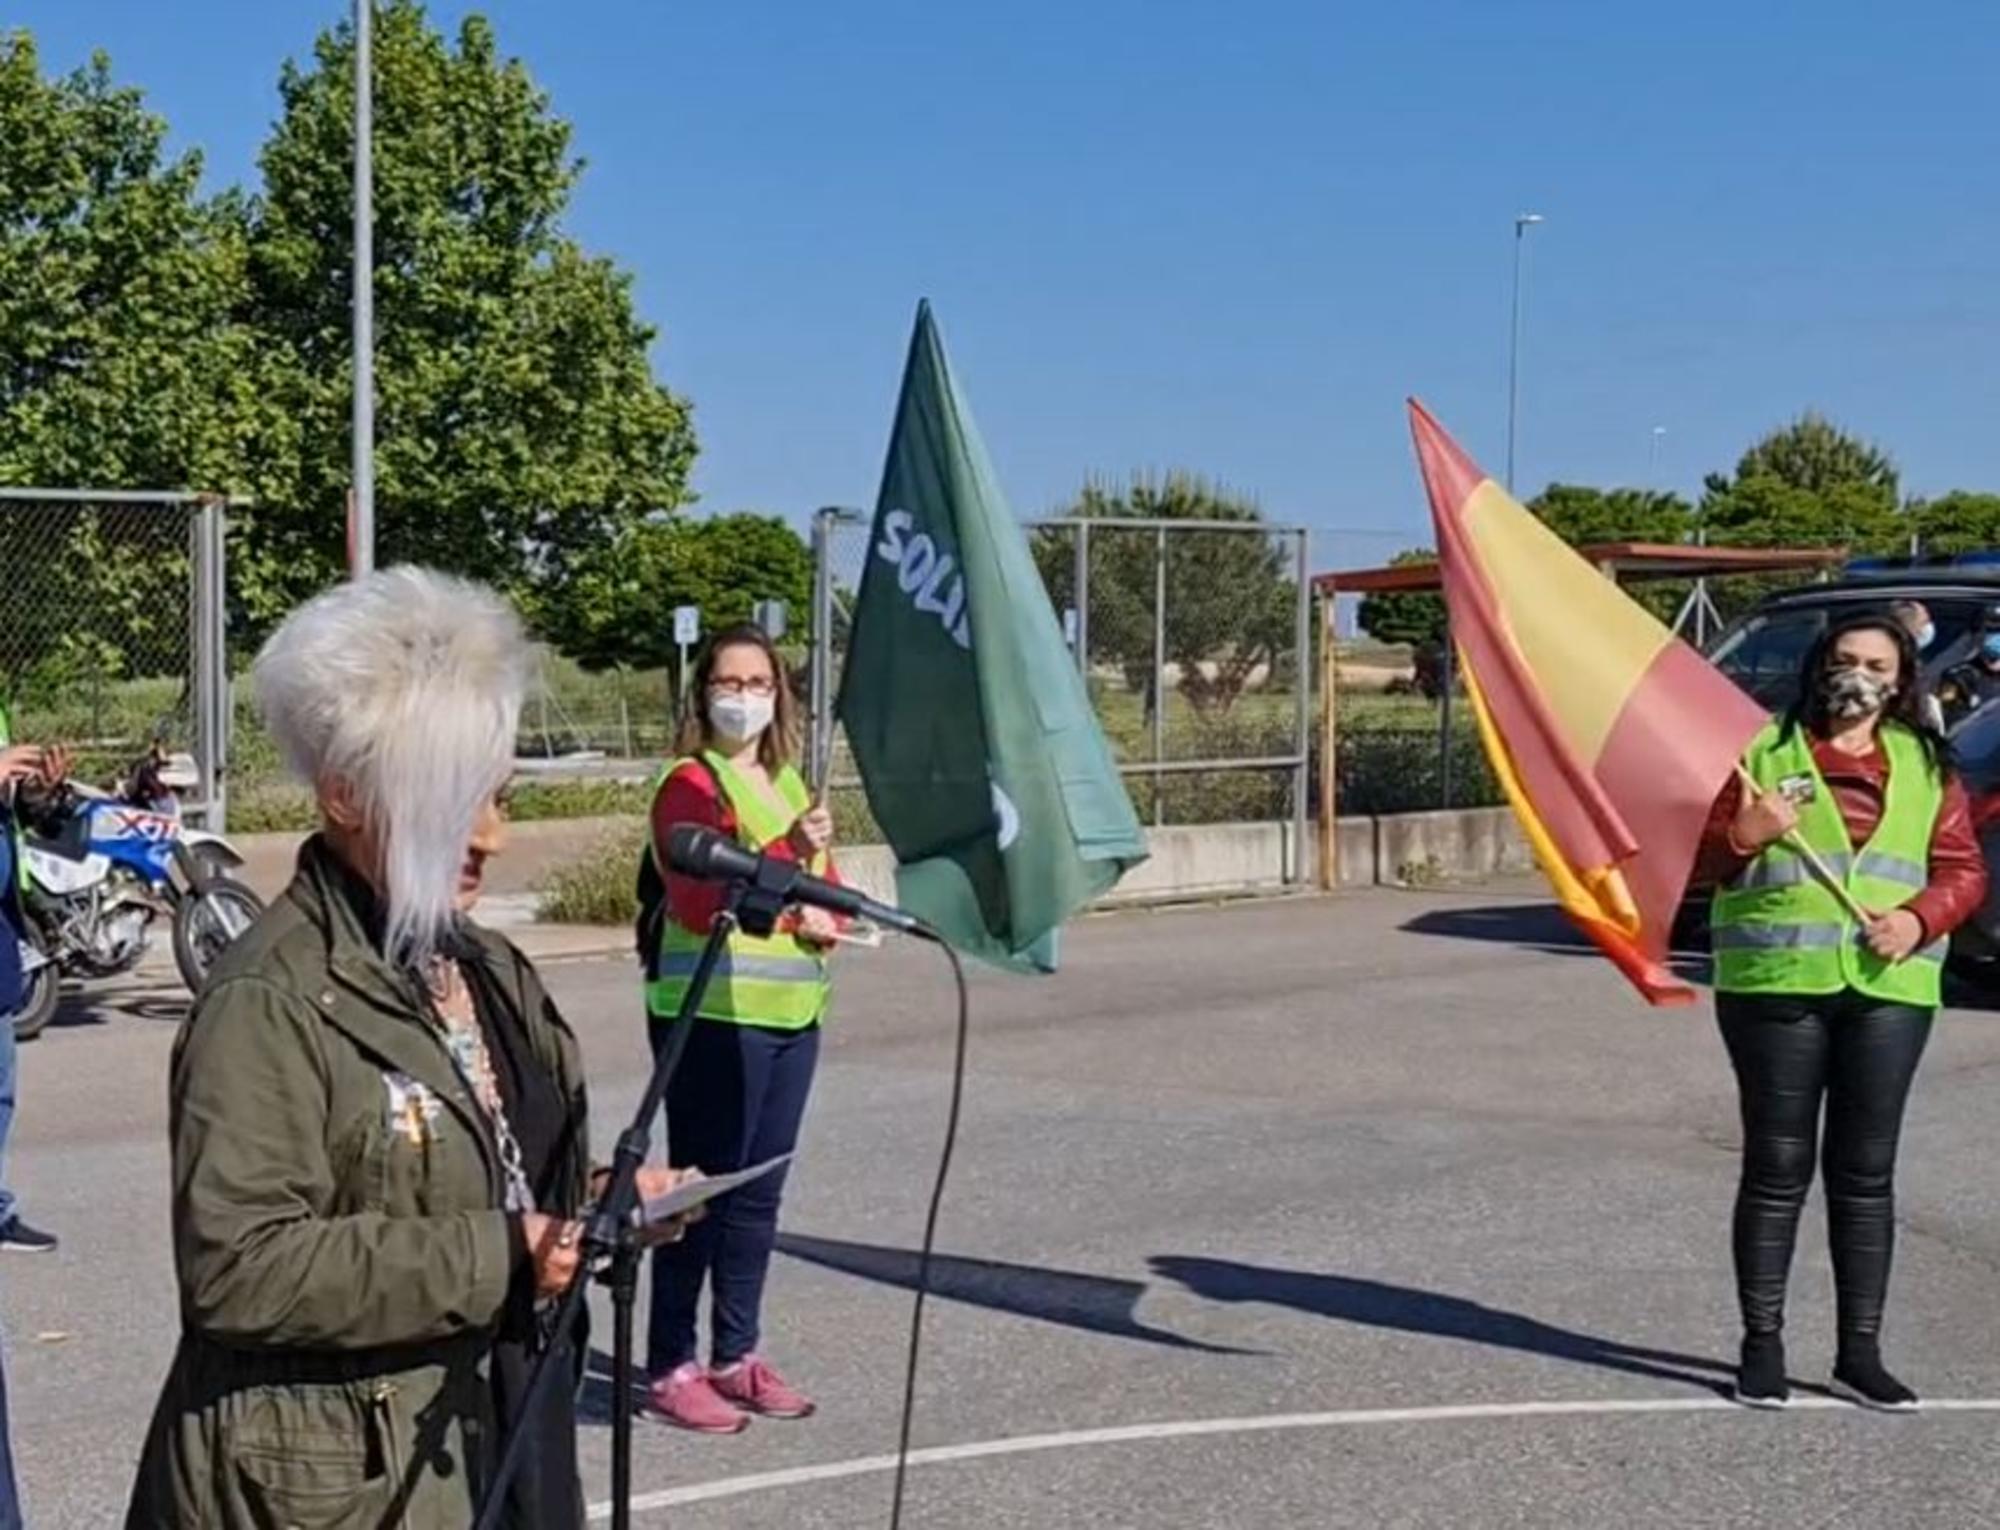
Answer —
740 718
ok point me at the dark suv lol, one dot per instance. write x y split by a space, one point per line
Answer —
1761 652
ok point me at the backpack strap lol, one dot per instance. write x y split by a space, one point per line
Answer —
650 924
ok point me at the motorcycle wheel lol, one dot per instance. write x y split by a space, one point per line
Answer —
205 924
38 1006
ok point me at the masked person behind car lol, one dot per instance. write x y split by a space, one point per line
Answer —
1815 1005
1915 617
1969 686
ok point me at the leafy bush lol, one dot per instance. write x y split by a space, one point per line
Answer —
534 800
597 887
1396 770
270 806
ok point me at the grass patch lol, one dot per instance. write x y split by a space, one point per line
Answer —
598 887
271 807
280 807
533 800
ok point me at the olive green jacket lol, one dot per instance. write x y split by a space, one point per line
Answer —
342 1257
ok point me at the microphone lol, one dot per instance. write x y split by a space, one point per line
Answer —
697 852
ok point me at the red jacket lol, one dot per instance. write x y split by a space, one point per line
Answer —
689 796
1957 867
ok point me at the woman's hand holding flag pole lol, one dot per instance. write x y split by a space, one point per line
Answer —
1824 874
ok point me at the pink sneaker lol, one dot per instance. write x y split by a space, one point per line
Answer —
754 1387
684 1398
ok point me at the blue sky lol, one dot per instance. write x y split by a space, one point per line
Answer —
1233 237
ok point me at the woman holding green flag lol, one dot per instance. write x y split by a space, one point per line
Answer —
1817 1005
739 1093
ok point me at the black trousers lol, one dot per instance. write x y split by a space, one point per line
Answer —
1858 1055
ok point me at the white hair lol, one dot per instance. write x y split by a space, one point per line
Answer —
406 685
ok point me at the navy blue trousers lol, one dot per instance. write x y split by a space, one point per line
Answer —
737 1098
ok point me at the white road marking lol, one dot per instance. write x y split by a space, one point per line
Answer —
1125 1434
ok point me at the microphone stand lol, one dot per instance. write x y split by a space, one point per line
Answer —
609 1244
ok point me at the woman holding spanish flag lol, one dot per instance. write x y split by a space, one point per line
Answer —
739 1094
1816 1005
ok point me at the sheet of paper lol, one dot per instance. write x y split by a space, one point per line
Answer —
688 1196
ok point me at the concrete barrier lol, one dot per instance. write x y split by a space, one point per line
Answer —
1432 847
1236 859
1189 861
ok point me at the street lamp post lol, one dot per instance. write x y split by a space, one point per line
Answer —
1653 458
1522 223
361 526
1448 669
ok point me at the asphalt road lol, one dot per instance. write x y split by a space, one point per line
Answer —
1389 1210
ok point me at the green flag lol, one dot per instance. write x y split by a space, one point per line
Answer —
982 759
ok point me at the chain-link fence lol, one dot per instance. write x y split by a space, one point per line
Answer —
620 714
113 638
1193 638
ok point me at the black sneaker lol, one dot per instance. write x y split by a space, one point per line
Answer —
1864 1378
17 1237
1760 1379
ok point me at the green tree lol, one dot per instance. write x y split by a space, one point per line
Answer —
1808 484
121 366
1413 619
616 607
1960 521
1230 596
1814 454
520 428
1581 515
1767 512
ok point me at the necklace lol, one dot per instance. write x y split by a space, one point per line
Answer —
457 1021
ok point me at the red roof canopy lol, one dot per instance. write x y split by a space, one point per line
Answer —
1622 560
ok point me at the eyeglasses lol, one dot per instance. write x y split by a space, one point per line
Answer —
735 685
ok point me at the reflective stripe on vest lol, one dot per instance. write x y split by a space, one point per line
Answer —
738 964
1776 930
1914 875
776 980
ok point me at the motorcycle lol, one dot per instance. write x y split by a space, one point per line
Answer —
100 866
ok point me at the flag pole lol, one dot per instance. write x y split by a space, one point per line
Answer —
1329 742
1815 863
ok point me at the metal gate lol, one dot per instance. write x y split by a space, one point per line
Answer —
114 628
1193 638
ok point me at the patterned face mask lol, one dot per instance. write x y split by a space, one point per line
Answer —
1852 694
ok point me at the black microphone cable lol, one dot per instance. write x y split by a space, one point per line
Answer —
930 1230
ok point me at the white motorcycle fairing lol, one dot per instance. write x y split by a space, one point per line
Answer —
62 876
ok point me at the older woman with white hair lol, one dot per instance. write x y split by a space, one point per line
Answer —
380 1151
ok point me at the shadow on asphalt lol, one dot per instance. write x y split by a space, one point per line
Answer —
1405 1309
1092 1303
1533 927
154 1003
593 1403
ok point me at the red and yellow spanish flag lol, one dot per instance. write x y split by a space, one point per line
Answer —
1610 736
